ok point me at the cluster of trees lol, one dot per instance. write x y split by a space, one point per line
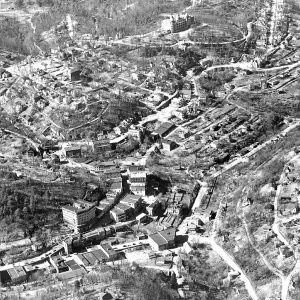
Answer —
205 278
146 284
15 36
216 79
18 206
107 17
186 60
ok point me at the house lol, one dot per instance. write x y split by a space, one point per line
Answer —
133 201
4 73
163 130
103 165
69 275
72 151
38 246
15 275
102 146
74 74
290 208
153 208
162 240
169 145
79 216
135 132
186 94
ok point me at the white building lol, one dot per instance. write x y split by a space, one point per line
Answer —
79 216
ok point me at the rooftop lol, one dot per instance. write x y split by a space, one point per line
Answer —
164 237
163 128
71 274
79 206
136 168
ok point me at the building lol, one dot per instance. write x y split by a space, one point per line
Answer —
4 73
137 180
116 186
163 130
135 132
58 263
103 165
162 240
112 173
72 274
138 190
74 74
290 208
37 246
133 201
15 275
108 251
153 208
121 212
169 145
79 216
186 94
102 146
72 151
177 23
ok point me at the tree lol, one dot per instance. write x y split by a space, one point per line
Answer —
17 214
173 281
25 212
32 203
19 3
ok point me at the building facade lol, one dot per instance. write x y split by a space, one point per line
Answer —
79 216
177 23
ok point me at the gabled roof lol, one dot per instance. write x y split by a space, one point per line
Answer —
164 127
158 239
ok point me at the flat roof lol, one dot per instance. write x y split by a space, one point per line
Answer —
131 198
123 206
107 247
71 274
99 254
84 260
136 168
168 234
85 206
137 188
90 257
116 185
